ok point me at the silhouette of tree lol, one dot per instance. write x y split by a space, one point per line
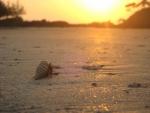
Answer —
143 3
3 9
10 10
16 10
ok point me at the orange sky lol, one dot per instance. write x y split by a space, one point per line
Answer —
75 11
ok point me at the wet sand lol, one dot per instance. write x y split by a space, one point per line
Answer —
102 70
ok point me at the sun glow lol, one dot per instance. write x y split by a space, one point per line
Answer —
103 6
75 11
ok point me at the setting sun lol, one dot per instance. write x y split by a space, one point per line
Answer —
75 11
103 6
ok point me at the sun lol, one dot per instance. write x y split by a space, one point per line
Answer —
103 6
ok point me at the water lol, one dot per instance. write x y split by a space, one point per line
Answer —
123 53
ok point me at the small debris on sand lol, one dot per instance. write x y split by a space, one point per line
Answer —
50 84
55 73
56 67
138 85
147 106
77 76
19 51
110 74
135 85
141 45
49 89
16 59
94 84
93 67
126 91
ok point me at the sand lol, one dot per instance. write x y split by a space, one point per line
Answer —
120 85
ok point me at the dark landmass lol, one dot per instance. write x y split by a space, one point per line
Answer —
19 22
140 19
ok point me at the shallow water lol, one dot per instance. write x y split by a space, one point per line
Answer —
122 54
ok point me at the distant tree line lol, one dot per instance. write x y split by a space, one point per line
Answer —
10 10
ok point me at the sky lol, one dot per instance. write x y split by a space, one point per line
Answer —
75 11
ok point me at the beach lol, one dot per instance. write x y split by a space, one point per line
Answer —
120 83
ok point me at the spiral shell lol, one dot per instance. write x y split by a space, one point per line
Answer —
43 70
